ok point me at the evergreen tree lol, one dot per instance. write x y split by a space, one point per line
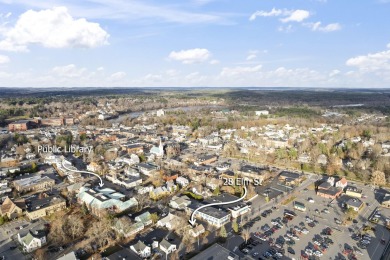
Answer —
222 232
85 209
235 226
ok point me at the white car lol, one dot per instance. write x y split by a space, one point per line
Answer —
295 238
305 231
311 200
366 242
278 255
317 243
318 253
286 238
308 251
365 237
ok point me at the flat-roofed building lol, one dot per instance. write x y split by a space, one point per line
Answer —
353 192
105 199
38 207
21 125
34 183
216 252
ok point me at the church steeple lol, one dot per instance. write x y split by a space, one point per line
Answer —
161 148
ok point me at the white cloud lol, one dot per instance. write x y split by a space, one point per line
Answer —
273 12
288 15
126 10
172 73
251 56
327 28
388 45
334 73
296 16
371 62
68 71
4 59
214 62
237 71
287 28
52 28
117 76
190 56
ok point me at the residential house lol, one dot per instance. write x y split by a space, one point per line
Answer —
69 256
124 253
304 158
127 228
94 167
144 189
159 192
12 209
32 239
141 249
179 202
197 231
124 181
342 183
290 178
206 159
167 247
386 201
148 168
182 181
213 183
170 222
145 218
354 203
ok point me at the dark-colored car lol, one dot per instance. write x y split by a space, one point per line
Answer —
291 251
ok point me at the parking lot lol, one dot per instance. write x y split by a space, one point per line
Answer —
314 230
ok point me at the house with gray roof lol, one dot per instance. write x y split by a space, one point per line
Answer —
167 247
141 249
32 239
126 227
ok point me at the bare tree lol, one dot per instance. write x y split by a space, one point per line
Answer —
246 234
378 178
74 226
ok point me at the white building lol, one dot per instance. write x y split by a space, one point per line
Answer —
160 112
141 249
32 240
183 182
262 112
167 247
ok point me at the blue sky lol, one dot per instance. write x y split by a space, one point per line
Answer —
264 43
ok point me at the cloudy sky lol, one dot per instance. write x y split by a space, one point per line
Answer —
215 43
